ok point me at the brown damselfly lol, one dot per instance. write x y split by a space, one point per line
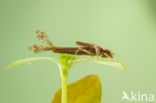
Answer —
83 49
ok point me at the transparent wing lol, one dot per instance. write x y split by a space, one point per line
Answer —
84 44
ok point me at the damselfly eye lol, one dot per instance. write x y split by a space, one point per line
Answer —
107 54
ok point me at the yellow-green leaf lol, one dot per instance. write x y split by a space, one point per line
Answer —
32 60
86 90
107 62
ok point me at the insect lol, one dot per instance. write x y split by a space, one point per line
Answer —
83 49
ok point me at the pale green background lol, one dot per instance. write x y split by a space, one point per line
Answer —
127 27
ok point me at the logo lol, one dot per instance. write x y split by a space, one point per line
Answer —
137 96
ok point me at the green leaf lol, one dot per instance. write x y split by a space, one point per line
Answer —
66 60
86 90
112 63
70 60
32 60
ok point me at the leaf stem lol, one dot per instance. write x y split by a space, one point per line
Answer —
64 86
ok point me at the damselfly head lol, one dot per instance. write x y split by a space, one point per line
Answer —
107 54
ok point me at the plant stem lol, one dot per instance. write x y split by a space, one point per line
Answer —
64 86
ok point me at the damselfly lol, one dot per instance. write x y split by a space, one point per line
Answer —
83 49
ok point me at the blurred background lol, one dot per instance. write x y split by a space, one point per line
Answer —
127 27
